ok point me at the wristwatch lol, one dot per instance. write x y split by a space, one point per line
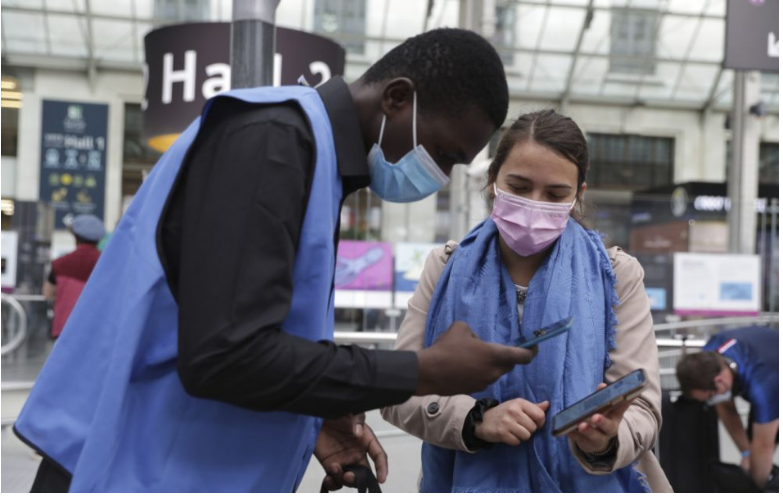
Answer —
475 417
605 457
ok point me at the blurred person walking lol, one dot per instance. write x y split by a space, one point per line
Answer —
70 273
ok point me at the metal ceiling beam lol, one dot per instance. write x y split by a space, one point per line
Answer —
649 103
566 53
4 39
74 13
542 51
688 50
92 71
47 36
351 37
385 23
427 14
561 5
135 31
643 79
537 50
78 64
570 79
712 97
609 33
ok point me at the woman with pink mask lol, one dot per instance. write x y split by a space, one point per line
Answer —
528 265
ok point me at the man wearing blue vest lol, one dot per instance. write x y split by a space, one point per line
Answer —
199 357
740 362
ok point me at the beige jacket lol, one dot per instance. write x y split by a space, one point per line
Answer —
636 348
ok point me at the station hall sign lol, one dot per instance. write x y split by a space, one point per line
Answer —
187 64
752 35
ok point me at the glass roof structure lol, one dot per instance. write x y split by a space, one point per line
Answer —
656 53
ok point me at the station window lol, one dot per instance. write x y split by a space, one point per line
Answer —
630 162
138 157
504 37
769 170
633 39
343 20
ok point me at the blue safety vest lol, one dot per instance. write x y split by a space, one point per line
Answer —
109 406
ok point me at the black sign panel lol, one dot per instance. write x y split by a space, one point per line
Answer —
187 64
752 35
73 158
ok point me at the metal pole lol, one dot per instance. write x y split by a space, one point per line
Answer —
367 211
762 248
470 15
774 248
407 207
735 171
253 43
743 189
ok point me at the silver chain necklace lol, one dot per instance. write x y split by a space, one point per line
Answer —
521 294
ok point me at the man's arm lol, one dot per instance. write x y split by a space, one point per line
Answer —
245 199
49 290
762 450
727 411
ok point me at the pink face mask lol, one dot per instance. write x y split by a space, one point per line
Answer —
528 226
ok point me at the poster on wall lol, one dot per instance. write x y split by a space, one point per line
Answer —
9 242
717 285
73 158
363 275
657 297
706 236
408 265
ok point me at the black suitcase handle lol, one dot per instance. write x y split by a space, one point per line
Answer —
365 479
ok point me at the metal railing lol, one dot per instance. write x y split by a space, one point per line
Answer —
389 338
13 310
344 337
726 321
670 348
25 297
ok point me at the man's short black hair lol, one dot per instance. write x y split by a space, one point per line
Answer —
698 371
82 241
452 70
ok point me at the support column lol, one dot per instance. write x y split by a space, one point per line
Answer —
253 43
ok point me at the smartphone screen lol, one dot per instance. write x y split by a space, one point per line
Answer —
633 382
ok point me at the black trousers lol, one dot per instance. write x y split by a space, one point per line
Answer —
51 479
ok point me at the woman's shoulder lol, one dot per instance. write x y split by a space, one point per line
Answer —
437 260
627 269
443 253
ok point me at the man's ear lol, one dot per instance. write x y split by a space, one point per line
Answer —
397 95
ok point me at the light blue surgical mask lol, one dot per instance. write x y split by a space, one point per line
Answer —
719 398
413 177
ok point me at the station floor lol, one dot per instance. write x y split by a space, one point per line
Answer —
19 464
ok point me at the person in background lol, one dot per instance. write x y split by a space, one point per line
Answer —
740 362
69 273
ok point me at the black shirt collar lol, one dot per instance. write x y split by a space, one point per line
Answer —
348 140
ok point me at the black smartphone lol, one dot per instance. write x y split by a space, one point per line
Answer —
547 332
626 388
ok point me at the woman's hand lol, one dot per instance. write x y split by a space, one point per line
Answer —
512 421
596 436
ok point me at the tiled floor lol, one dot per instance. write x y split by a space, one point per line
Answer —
19 463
